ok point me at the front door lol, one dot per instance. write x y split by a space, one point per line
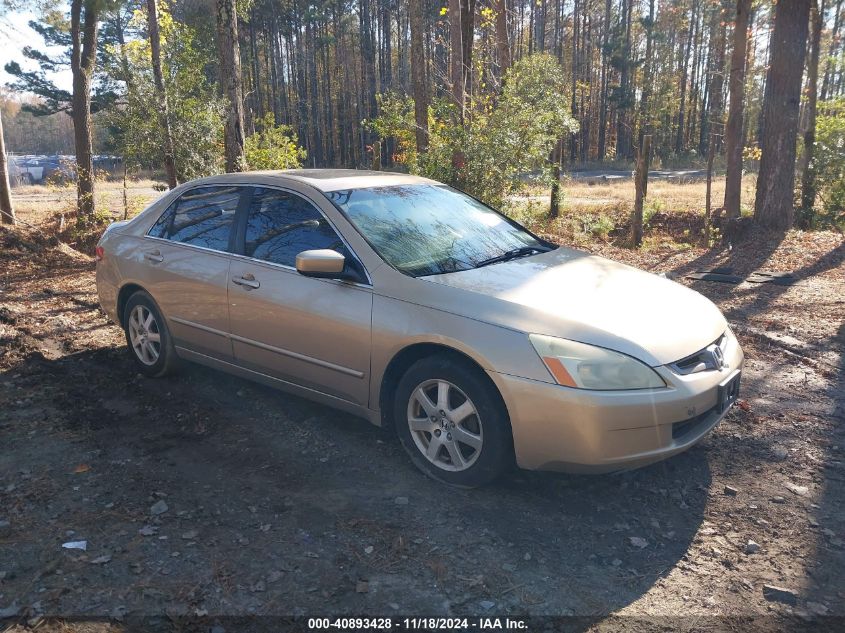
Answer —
186 256
311 332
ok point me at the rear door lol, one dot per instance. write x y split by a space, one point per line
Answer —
311 332
187 255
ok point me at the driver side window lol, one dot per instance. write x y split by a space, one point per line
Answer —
281 225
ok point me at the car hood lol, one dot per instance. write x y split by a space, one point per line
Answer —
590 299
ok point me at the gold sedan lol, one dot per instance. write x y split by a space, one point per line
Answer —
417 307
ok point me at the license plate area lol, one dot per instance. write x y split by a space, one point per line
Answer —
728 392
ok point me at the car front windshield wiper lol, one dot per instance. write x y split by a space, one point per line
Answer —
522 251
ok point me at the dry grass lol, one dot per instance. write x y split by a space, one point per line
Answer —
41 204
673 211
51 209
671 196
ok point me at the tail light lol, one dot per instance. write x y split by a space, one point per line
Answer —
100 253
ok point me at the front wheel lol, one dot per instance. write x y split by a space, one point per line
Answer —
147 336
452 422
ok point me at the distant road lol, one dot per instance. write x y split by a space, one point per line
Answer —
605 175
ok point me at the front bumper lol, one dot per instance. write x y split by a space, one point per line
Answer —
576 430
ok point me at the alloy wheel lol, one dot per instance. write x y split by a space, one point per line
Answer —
144 334
445 425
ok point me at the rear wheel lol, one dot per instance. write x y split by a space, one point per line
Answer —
147 336
452 422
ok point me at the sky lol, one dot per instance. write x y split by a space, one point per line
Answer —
14 35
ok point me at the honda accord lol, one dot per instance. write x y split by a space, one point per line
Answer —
417 307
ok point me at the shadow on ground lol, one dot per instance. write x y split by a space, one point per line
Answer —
279 506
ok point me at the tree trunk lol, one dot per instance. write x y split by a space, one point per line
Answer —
418 75
647 79
125 192
456 74
679 139
808 176
387 69
733 131
402 60
708 214
161 94
7 211
120 35
573 104
388 148
230 78
83 59
314 92
375 165
623 123
773 207
697 79
605 71
712 128
456 57
831 51
299 72
554 202
640 190
368 66
257 97
540 26
502 43
328 115
586 95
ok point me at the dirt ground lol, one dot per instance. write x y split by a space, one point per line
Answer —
206 496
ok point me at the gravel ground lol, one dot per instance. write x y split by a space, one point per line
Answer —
206 495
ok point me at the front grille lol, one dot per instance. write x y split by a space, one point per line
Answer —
704 359
686 427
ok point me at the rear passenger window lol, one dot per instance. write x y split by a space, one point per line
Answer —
200 217
162 225
281 225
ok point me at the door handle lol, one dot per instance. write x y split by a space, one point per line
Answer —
154 256
246 280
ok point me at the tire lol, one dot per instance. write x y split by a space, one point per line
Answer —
475 424
149 341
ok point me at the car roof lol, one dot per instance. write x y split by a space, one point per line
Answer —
323 179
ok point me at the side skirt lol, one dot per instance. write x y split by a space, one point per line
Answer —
374 417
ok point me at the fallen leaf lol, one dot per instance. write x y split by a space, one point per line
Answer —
83 545
798 490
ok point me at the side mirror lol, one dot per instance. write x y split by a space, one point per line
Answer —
324 263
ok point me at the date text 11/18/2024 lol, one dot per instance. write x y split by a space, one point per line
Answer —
418 624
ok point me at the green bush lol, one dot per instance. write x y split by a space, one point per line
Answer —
196 111
273 147
651 206
599 226
503 138
829 163
529 213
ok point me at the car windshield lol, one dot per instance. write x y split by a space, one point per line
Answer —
432 229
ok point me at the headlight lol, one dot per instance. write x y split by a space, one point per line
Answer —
588 367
